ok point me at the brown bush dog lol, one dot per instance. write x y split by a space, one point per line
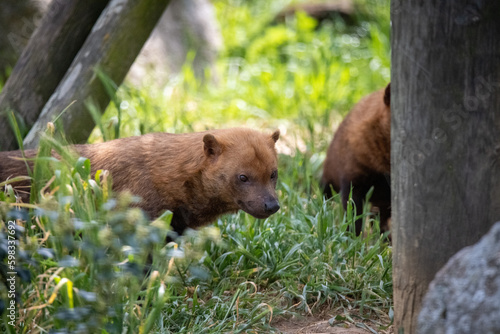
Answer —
360 155
197 176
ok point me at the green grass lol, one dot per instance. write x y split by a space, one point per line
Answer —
84 248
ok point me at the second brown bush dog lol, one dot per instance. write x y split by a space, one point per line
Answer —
360 156
197 176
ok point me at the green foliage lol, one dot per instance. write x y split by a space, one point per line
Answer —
83 250
276 75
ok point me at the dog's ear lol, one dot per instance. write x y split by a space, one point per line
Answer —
212 147
273 139
276 135
387 95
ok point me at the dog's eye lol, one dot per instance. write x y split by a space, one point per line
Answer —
274 175
243 178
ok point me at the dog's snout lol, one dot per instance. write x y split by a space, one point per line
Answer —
272 206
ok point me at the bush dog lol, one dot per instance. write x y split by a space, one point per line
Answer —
360 156
197 176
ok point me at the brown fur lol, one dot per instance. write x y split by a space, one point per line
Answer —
196 175
360 155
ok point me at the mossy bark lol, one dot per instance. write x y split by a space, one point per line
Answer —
44 61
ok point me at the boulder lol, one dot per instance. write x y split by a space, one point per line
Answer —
464 297
186 26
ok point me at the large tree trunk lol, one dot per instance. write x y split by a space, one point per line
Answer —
445 138
112 46
44 61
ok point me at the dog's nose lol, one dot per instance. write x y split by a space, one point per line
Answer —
271 206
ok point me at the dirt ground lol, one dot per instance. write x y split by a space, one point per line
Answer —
317 325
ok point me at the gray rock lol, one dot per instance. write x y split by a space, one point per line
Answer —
464 297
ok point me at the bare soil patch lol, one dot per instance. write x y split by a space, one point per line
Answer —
323 324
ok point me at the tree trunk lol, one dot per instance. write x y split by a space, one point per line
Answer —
445 138
44 61
16 26
112 46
